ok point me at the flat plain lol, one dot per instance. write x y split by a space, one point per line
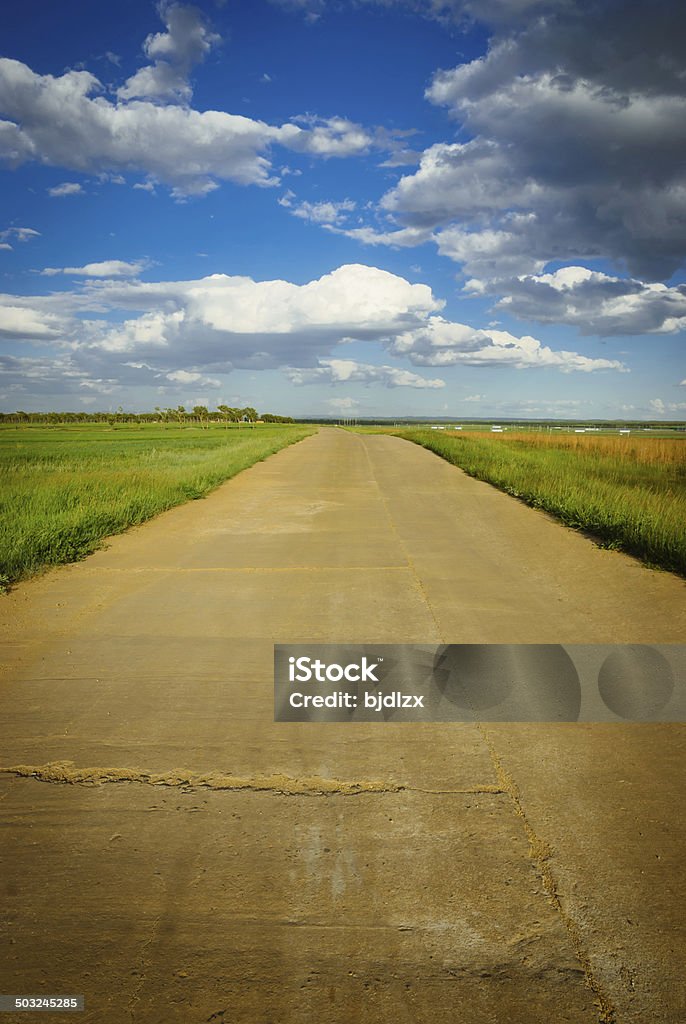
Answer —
177 856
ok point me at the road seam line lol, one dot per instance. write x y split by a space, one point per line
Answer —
97 571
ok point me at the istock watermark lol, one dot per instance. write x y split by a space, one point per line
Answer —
480 682
304 669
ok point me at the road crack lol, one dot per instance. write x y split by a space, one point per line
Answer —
540 853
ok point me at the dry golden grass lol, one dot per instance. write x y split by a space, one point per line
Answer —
649 451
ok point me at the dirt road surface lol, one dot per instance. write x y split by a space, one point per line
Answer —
175 856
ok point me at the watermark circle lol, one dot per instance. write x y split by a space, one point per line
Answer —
524 682
636 682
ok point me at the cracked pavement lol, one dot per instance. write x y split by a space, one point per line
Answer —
176 856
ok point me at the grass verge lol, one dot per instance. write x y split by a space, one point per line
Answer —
629 493
62 490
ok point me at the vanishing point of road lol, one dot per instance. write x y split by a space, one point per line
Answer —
176 856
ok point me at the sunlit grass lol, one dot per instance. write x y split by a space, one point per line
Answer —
62 490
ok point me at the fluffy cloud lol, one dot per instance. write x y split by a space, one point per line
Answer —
348 371
183 333
68 122
457 180
575 143
624 48
63 124
443 343
595 303
487 252
174 52
105 268
333 136
220 322
262 324
25 324
557 171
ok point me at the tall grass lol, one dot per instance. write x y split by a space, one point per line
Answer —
629 493
62 490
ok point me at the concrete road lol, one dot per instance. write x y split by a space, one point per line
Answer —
176 856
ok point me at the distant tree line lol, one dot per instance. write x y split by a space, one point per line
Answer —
199 414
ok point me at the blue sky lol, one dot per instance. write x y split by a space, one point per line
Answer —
369 207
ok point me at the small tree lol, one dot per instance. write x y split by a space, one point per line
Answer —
202 413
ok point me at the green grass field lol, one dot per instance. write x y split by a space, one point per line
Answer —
628 492
63 489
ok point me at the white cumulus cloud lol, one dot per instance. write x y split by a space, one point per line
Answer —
26 324
187 41
572 141
332 136
66 122
131 332
444 343
151 128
